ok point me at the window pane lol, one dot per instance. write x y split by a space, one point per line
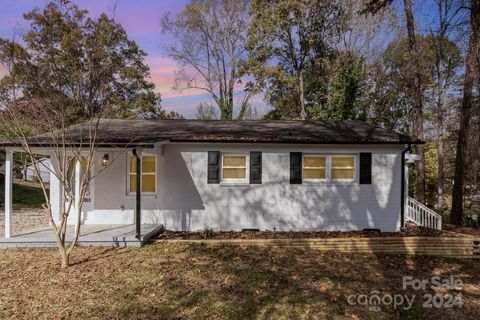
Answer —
133 164
342 173
315 162
148 183
84 164
148 180
314 173
234 161
233 173
148 163
133 183
342 162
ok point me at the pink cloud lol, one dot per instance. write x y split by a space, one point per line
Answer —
162 72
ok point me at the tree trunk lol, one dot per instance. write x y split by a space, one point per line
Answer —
441 85
65 258
441 158
302 96
418 99
465 114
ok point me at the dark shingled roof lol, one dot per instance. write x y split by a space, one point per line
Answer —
122 132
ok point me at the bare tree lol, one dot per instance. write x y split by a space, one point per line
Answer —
417 97
251 113
40 127
206 111
465 114
52 83
365 34
210 48
447 59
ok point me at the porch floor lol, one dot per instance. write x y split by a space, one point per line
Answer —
91 235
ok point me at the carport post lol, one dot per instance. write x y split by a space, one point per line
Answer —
138 202
8 193
77 190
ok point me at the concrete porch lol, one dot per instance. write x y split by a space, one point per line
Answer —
91 235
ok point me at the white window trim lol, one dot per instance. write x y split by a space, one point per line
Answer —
329 168
327 171
130 154
225 181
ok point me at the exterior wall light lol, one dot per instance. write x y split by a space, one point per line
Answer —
105 160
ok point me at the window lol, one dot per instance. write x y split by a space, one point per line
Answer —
314 167
234 167
343 167
149 176
317 167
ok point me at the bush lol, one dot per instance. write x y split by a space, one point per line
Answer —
208 233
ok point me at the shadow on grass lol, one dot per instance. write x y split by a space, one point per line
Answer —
102 255
184 281
255 283
270 283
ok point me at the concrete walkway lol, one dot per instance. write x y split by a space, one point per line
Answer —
91 235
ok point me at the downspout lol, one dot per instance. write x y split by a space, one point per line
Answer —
407 148
138 194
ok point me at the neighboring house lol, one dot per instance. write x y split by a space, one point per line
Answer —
232 175
44 168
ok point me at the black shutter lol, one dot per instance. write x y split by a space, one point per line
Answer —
255 167
213 167
365 168
295 168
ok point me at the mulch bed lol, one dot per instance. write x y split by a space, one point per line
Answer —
410 231
464 230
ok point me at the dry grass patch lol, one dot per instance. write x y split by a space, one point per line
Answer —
192 281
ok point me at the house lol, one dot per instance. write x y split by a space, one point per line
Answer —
233 175
44 168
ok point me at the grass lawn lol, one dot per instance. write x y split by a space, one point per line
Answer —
24 193
191 281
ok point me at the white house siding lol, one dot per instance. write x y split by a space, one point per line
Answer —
43 167
184 200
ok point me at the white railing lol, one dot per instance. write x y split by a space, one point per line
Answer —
422 215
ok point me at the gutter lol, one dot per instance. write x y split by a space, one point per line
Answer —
407 148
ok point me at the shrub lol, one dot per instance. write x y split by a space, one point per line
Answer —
208 233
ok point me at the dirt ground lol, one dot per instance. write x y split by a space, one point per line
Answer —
464 230
25 219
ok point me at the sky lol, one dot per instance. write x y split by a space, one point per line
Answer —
141 20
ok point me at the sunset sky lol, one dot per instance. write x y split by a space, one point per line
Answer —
140 18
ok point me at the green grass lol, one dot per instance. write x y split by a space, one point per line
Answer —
24 194
182 281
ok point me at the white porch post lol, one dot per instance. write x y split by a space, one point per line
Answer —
405 191
56 191
78 178
8 193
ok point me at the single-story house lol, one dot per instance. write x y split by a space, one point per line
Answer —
233 175
43 165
